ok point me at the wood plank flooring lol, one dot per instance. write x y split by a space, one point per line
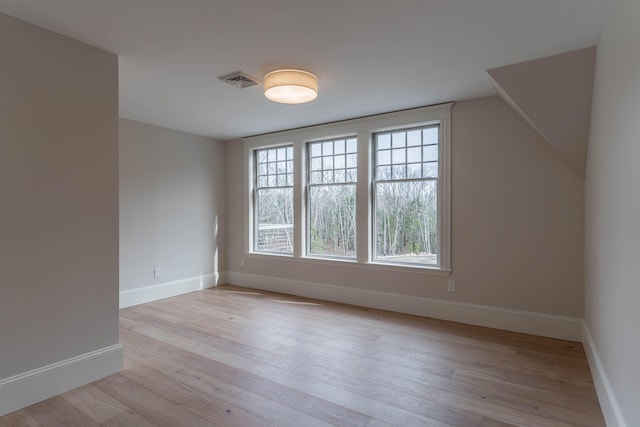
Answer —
232 356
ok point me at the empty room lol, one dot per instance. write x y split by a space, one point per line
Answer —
319 213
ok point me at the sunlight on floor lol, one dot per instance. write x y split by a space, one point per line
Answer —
243 292
295 302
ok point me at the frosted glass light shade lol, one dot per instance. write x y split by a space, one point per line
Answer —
290 86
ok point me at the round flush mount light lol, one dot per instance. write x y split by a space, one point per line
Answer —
290 86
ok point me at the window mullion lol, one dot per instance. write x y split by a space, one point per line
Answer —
299 203
363 200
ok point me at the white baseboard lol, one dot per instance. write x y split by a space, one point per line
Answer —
567 328
39 384
150 293
608 402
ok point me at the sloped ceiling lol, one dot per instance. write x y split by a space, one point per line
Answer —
371 56
554 95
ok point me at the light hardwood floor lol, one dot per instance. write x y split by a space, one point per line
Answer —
238 357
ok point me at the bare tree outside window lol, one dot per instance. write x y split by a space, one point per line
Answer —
274 200
332 167
406 195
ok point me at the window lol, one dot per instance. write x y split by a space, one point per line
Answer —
373 190
274 200
332 178
406 195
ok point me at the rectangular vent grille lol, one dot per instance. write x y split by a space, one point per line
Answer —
239 79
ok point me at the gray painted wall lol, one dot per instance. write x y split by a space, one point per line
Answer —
517 222
172 190
612 226
59 198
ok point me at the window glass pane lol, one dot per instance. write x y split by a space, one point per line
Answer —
398 172
430 135
272 155
282 154
271 181
262 156
352 160
406 222
327 163
316 150
282 166
327 177
327 148
414 138
430 170
339 162
290 166
384 172
414 155
289 152
332 221
274 220
282 180
352 145
316 164
339 146
339 176
384 157
316 177
398 156
414 170
262 181
398 139
430 153
352 175
262 169
384 141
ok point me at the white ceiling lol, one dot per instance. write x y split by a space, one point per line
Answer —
371 56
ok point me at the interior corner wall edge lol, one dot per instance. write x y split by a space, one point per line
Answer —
59 222
612 210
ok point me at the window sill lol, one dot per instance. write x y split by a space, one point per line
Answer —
335 262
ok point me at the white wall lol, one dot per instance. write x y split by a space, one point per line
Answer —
58 207
517 227
612 226
172 190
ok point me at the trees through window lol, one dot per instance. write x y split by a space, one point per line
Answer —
406 195
274 200
332 197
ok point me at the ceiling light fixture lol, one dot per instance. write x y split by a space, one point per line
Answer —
290 86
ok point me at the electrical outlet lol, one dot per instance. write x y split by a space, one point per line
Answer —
451 286
157 272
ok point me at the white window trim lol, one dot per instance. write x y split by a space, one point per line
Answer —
254 195
307 189
364 128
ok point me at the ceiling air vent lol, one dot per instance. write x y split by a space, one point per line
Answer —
239 79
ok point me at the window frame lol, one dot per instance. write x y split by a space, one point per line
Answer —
375 180
364 128
309 184
257 188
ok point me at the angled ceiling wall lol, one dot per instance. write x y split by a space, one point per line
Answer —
554 95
